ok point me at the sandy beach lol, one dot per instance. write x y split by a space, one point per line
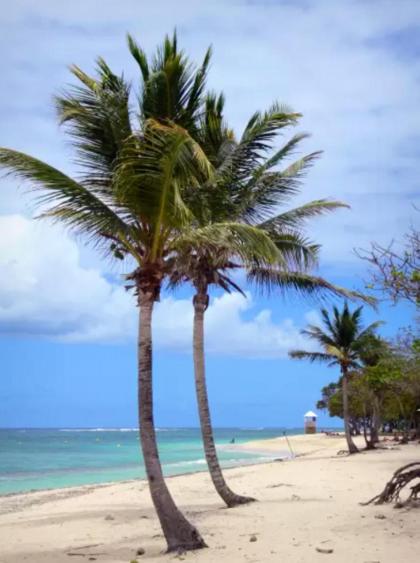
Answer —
307 503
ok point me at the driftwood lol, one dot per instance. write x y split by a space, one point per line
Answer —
402 477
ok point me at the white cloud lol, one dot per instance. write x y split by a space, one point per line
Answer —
45 292
233 326
43 289
351 67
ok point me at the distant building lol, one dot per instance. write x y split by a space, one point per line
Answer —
310 422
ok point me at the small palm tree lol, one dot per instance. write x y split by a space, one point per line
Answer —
128 201
342 342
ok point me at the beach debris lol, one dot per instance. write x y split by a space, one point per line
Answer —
324 549
88 546
380 516
74 554
140 551
275 485
109 517
253 538
406 474
75 551
295 497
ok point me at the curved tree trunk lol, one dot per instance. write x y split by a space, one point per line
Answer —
367 422
179 533
350 444
376 423
365 435
230 498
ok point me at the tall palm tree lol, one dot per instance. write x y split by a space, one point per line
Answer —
342 340
128 202
249 189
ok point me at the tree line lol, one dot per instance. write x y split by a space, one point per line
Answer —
383 392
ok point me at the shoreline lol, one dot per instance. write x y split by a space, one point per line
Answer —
77 488
252 447
261 456
265 447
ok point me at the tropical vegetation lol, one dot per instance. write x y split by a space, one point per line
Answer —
384 394
342 339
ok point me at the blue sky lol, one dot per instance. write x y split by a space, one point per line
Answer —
67 327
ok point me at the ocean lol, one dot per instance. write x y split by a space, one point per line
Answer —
35 459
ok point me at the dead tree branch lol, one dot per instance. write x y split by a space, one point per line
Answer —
402 477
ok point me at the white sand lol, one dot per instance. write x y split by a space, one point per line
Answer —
306 503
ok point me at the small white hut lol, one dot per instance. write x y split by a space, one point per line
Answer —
310 422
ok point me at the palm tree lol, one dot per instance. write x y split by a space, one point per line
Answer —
341 340
246 188
128 202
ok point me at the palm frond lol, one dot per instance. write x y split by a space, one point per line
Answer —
250 244
256 140
213 134
311 356
140 57
272 280
369 330
257 197
285 151
295 217
316 333
333 329
97 117
65 198
262 128
299 253
197 89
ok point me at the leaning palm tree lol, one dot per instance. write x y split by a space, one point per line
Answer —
342 340
244 189
128 202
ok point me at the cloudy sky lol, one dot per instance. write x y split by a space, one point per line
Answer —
67 327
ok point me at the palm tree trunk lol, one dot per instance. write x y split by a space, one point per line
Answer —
365 436
180 535
350 444
230 498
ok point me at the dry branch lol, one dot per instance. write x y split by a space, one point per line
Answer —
401 478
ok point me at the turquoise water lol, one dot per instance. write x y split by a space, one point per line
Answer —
34 459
